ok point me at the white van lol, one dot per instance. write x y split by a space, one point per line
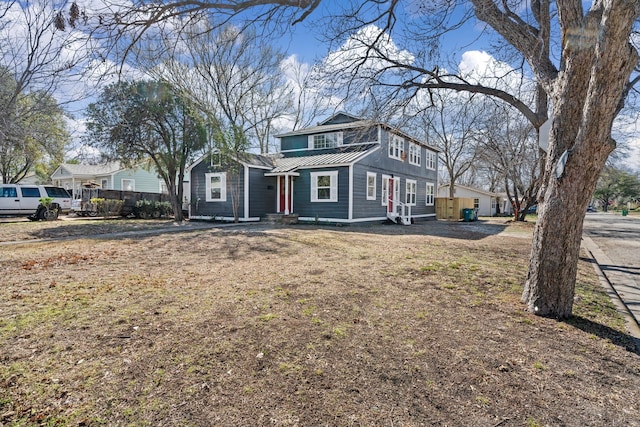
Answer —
16 199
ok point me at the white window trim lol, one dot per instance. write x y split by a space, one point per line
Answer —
333 186
415 154
432 160
375 178
408 184
396 147
311 140
385 189
133 184
429 194
215 158
384 196
223 186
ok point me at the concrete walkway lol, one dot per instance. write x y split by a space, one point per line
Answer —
621 281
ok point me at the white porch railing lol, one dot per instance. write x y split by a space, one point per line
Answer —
399 212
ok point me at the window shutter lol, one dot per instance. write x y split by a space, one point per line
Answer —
223 187
310 142
334 188
314 188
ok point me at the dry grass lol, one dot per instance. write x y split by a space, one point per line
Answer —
302 326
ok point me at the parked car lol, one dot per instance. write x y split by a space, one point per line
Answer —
591 209
533 209
16 199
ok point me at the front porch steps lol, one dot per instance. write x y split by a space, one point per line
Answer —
280 218
399 219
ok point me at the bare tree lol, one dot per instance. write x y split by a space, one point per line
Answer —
233 77
39 53
509 146
452 125
310 100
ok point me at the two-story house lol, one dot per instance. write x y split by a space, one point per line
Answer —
344 170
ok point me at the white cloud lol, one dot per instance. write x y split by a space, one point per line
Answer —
479 67
356 51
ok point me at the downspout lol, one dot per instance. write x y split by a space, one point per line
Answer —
246 192
287 210
350 216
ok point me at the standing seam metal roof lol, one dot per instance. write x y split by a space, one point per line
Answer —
289 164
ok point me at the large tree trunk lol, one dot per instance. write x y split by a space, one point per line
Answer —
587 95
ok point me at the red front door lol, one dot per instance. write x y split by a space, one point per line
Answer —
282 191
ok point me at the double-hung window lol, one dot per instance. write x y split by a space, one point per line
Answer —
371 185
216 187
325 140
429 195
431 160
410 194
396 147
415 154
324 186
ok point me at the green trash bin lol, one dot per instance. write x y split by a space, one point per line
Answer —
624 212
468 214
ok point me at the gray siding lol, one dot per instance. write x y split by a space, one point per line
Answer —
263 193
199 204
380 163
349 136
296 142
363 208
303 206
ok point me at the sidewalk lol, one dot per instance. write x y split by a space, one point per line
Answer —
624 291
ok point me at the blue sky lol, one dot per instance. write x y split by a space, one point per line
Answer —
305 40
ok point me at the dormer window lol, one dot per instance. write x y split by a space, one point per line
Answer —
325 140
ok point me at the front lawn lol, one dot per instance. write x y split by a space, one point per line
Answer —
303 326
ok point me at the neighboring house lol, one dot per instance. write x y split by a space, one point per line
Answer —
110 176
487 203
31 178
344 170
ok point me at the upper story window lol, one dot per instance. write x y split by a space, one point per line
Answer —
325 140
396 147
431 160
415 154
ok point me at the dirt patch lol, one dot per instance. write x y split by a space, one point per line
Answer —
380 325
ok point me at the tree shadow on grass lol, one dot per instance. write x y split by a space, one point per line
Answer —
475 230
621 339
